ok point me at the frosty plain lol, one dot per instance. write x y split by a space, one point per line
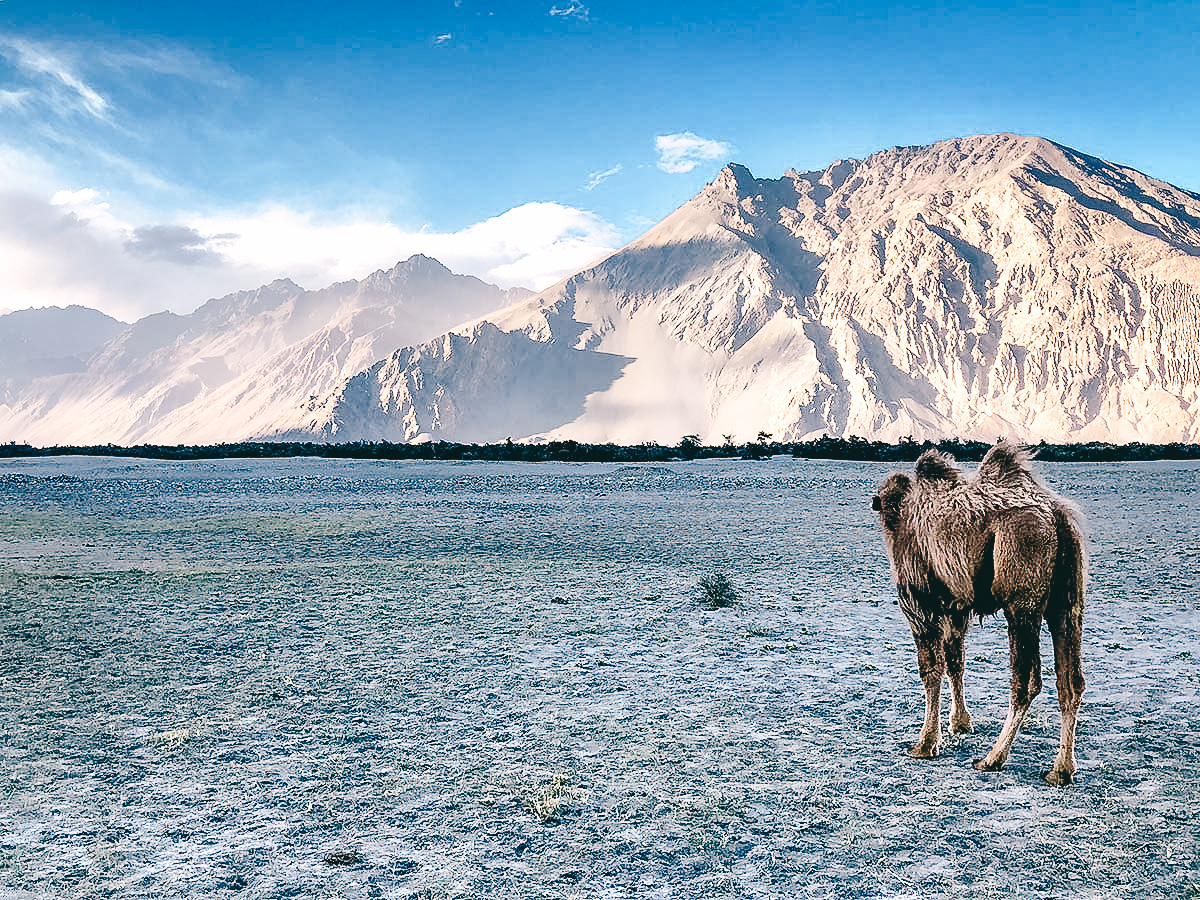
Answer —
495 679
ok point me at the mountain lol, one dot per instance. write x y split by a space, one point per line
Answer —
49 341
235 366
995 285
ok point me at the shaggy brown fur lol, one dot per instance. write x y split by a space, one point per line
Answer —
999 542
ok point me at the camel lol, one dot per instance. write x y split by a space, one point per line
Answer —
1000 542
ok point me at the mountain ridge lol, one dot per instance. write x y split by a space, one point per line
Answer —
37 343
985 286
229 369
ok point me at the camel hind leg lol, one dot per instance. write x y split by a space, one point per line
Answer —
1066 631
1064 616
1026 684
1024 555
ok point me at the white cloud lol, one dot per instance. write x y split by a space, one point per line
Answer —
82 198
73 248
597 178
533 245
440 39
62 243
85 204
682 152
572 10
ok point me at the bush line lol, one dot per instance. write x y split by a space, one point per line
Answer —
853 448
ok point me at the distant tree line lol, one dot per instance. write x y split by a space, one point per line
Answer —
689 447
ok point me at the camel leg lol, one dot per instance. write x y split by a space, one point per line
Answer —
932 666
1025 685
952 649
1066 631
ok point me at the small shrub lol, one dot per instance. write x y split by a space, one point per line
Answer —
547 800
716 591
165 741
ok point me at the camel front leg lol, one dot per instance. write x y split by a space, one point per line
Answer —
953 648
1025 685
931 664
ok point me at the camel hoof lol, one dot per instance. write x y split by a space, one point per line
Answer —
982 765
917 751
961 728
1058 778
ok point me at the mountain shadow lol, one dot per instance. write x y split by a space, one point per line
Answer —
483 386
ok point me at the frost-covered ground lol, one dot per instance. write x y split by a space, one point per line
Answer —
346 679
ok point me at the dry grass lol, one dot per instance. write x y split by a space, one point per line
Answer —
174 738
546 800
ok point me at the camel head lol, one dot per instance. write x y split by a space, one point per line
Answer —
888 500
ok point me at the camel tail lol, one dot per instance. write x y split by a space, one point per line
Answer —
1070 570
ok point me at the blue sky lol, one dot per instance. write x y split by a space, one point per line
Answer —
152 156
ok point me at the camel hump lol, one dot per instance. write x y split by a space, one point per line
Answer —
1006 463
933 465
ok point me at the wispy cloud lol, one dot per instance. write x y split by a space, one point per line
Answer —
597 178
682 152
35 60
64 79
573 10
77 103
13 99
162 59
441 39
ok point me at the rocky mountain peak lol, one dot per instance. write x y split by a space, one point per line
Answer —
980 286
